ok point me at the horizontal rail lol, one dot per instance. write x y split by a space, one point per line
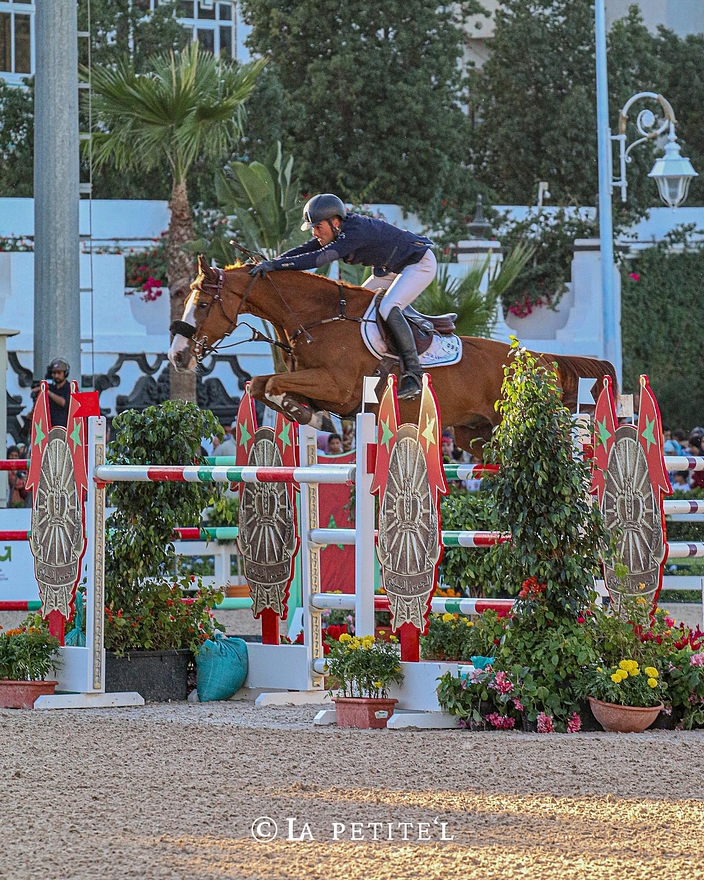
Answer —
682 505
685 549
438 605
684 462
14 464
20 605
204 533
322 473
330 537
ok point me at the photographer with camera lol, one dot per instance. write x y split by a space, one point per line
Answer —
58 392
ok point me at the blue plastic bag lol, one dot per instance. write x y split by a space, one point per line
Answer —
481 662
221 668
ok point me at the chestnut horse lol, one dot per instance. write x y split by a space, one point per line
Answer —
317 325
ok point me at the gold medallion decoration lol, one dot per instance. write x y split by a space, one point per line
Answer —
267 530
630 481
409 477
409 542
57 526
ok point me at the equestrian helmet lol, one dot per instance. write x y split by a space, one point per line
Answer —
59 364
324 206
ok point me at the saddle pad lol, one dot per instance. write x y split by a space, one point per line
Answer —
443 352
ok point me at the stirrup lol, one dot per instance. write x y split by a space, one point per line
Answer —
410 390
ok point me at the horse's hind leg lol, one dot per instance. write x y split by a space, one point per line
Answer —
293 406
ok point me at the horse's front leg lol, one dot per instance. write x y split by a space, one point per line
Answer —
293 393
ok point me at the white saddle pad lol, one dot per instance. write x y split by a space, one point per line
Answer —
443 352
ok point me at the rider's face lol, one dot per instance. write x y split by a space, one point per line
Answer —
325 231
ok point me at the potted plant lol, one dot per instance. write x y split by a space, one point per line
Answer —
363 668
624 698
155 620
28 654
483 700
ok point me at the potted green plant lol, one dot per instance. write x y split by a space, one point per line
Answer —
363 668
28 654
484 700
154 619
624 698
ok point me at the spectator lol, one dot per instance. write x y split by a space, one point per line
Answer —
229 444
58 392
335 445
17 493
680 481
347 436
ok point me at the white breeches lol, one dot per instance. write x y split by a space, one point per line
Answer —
403 288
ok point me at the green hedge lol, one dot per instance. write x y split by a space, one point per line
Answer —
662 310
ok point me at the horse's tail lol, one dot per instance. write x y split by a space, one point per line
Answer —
572 369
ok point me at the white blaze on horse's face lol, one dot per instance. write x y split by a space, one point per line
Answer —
180 352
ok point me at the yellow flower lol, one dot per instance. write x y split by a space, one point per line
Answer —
393 639
651 672
641 600
599 669
616 677
624 664
378 684
448 618
653 682
345 637
368 643
468 622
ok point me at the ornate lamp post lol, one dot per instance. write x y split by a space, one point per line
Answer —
672 174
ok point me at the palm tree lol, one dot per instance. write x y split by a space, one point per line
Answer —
476 311
190 105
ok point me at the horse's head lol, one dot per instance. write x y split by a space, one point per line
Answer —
207 318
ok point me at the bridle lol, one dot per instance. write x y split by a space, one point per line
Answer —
201 349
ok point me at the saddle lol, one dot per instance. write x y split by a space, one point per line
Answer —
424 327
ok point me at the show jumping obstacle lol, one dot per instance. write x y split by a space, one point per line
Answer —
294 673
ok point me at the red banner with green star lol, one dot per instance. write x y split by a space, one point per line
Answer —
387 426
650 437
80 407
245 428
605 425
429 437
39 436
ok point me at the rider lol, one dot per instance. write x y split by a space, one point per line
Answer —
404 265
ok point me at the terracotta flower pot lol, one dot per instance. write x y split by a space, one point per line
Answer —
363 712
22 694
623 719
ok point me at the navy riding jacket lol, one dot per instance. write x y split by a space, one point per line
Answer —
363 240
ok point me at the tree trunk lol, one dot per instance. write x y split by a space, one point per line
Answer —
180 272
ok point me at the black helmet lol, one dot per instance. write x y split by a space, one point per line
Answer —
59 364
322 207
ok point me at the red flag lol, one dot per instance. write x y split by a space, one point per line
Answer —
76 433
286 440
387 426
246 427
605 425
650 437
429 434
88 402
39 436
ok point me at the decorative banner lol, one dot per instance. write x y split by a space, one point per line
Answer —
58 478
387 426
630 480
245 428
268 536
409 480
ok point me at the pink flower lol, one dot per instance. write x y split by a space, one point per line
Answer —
574 724
634 275
518 705
545 724
580 620
501 722
696 660
501 683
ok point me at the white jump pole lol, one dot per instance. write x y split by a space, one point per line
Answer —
364 545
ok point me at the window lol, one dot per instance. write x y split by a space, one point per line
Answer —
16 38
215 34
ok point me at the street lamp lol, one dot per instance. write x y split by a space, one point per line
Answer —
672 174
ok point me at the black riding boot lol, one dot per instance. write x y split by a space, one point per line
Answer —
412 377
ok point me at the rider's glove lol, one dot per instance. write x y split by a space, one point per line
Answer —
263 268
